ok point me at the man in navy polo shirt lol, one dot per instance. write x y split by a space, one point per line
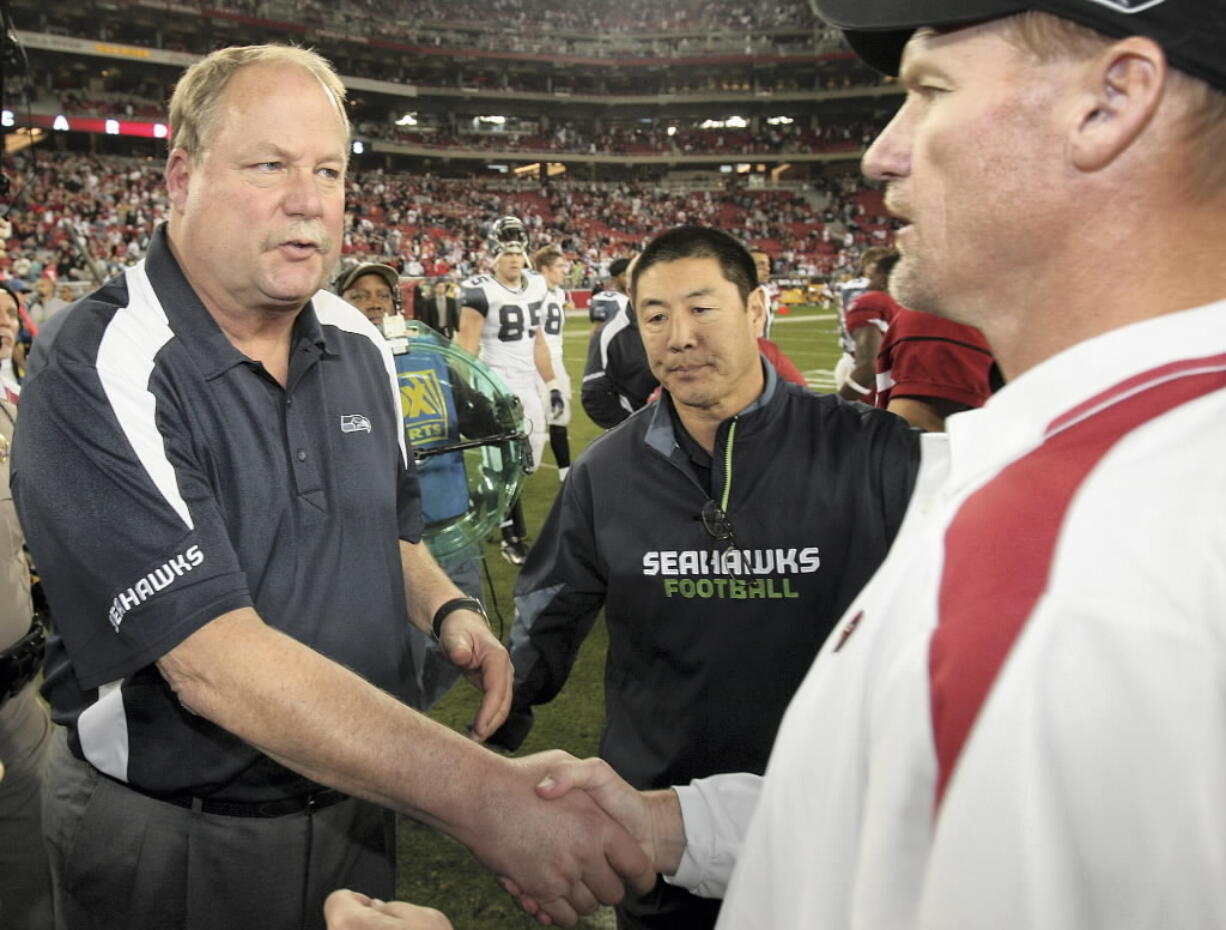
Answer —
213 478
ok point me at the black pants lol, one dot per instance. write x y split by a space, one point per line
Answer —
120 859
666 907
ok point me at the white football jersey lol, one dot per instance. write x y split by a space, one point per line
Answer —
849 291
512 317
553 318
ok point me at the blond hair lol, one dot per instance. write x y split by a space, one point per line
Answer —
1052 38
545 257
193 106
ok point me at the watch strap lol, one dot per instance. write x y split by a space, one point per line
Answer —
450 607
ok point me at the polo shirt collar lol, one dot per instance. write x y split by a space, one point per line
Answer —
1017 417
194 325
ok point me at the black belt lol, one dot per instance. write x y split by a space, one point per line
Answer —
305 803
20 662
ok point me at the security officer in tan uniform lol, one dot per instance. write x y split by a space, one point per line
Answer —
25 729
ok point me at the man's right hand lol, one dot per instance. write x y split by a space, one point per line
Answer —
653 818
562 857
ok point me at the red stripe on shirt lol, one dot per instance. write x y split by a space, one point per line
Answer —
999 546
1138 382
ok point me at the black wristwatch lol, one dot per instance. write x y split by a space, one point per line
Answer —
449 607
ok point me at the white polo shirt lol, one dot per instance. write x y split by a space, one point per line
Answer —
1019 723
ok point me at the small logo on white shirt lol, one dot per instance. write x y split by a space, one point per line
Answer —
354 423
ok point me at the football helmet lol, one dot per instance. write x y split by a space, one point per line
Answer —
508 234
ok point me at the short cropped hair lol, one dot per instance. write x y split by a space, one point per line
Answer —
193 106
735 262
872 255
1051 38
886 263
543 258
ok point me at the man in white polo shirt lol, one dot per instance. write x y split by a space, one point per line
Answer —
1018 724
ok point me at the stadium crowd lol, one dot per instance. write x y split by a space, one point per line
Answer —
601 29
436 227
442 130
657 138
517 16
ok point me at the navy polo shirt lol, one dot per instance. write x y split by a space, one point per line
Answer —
163 478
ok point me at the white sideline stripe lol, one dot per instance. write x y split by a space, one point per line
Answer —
125 361
787 318
820 378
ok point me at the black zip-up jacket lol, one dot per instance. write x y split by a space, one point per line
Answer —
708 638
617 379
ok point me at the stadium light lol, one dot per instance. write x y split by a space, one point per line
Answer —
732 122
551 168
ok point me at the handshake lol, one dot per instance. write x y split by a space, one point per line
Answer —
575 835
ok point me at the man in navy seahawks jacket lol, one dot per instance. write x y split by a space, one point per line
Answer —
723 530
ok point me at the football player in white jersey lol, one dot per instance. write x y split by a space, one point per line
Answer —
500 320
557 394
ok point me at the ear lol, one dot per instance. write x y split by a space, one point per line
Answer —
757 309
1124 85
178 176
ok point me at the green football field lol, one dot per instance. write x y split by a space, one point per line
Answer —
435 870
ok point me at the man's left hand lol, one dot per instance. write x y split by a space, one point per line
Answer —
471 645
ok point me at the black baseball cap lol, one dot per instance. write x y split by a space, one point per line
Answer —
346 278
618 267
1191 32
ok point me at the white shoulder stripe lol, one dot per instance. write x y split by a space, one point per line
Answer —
125 361
614 326
332 310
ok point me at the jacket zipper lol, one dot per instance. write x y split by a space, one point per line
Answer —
723 501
